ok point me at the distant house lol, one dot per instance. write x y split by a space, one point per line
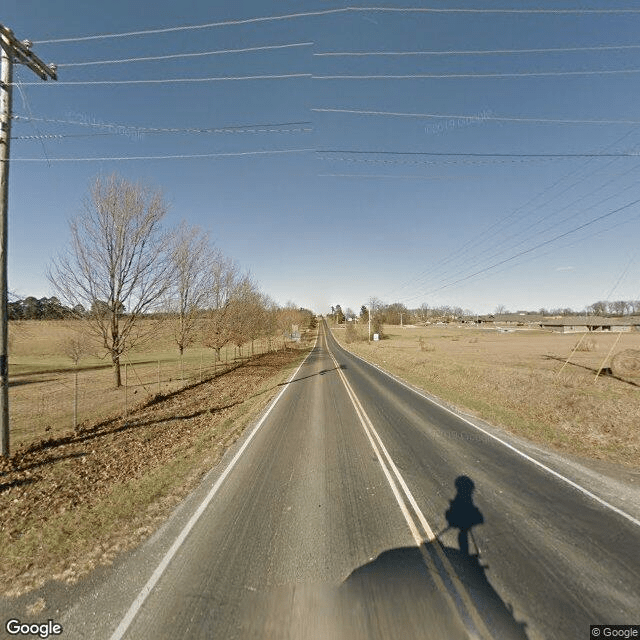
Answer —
589 323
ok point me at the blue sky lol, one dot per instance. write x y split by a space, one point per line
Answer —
332 226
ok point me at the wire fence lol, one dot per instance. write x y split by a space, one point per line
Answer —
49 404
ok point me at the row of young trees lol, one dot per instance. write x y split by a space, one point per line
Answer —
123 273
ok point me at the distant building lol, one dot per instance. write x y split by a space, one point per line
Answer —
590 323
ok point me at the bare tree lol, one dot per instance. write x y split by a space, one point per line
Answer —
74 347
250 316
286 318
116 263
193 263
225 282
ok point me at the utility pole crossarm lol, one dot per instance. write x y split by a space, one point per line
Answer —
22 54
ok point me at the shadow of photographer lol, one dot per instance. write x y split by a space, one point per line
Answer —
400 589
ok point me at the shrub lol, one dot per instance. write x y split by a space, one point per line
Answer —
425 346
586 344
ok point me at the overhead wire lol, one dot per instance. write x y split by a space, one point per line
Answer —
473 118
175 56
260 128
474 52
629 154
541 244
168 156
498 74
121 129
540 255
166 80
513 217
538 233
339 10
27 107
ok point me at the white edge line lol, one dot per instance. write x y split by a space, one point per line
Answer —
164 563
469 608
575 485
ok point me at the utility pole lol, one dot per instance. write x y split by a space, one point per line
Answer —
11 50
369 318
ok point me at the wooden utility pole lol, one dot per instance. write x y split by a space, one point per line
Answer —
11 50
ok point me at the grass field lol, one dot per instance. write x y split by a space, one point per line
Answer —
42 377
73 503
513 380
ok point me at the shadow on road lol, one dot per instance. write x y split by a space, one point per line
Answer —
312 375
413 586
406 592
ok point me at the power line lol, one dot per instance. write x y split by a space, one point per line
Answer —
414 297
339 10
414 177
180 80
166 157
345 77
472 118
541 244
174 56
630 154
518 74
474 52
206 25
131 131
122 129
524 209
496 254
248 128
453 161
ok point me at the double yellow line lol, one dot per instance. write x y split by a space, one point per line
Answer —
422 533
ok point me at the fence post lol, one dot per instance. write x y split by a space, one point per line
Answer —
158 377
125 388
75 399
200 366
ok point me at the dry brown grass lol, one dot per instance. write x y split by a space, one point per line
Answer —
41 377
586 343
513 380
72 503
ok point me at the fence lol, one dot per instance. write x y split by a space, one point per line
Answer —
47 404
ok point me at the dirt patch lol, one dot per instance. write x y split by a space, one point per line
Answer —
72 503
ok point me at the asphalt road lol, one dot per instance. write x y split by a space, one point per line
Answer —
329 524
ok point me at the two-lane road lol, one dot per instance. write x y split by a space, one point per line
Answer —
325 526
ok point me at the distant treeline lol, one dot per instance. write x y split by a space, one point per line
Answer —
397 313
31 308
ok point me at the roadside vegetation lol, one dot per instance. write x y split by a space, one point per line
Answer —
516 380
73 502
129 384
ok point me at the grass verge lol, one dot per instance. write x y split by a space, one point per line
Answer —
514 381
75 502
